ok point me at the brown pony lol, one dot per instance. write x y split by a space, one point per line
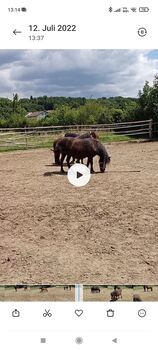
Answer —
95 289
136 297
56 151
71 135
43 289
147 288
80 149
91 134
116 293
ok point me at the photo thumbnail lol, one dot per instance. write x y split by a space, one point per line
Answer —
120 293
79 168
37 293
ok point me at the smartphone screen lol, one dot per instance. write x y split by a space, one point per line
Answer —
78 174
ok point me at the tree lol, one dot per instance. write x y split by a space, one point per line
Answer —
15 101
148 100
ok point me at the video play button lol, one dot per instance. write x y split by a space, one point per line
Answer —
79 175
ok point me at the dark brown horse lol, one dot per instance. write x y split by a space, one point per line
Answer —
61 145
56 151
136 297
43 289
16 287
72 135
67 287
80 149
91 134
95 289
116 293
147 288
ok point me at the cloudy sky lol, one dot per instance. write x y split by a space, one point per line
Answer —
75 73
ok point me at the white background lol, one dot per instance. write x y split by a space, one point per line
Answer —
96 27
95 328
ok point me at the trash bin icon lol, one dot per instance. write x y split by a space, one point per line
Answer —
15 313
110 313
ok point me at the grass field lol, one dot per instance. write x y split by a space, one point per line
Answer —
18 141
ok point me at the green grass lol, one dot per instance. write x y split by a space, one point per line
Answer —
16 141
109 137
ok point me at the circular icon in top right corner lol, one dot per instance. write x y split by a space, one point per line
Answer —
142 31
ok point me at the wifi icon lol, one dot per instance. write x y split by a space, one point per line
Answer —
133 9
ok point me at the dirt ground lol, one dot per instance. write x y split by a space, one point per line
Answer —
32 294
103 233
127 294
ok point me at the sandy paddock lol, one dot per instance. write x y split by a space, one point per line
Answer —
103 233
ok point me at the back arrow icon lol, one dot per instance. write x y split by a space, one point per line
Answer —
16 31
114 340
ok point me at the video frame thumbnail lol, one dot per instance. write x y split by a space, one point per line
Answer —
37 293
96 293
120 293
106 231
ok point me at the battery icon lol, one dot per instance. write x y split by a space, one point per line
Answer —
23 9
143 9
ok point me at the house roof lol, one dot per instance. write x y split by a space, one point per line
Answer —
35 114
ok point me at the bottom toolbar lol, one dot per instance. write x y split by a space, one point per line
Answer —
73 325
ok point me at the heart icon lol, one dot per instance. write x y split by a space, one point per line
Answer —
78 312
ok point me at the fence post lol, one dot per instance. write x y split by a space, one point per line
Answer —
26 143
150 129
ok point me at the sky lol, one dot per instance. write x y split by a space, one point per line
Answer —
76 73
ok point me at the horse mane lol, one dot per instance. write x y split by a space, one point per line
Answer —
102 151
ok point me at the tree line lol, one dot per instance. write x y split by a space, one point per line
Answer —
72 110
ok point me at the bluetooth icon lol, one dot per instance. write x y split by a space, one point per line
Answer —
110 9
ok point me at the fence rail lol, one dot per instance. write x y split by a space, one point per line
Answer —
30 137
89 126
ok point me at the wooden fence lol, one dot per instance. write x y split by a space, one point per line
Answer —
32 137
